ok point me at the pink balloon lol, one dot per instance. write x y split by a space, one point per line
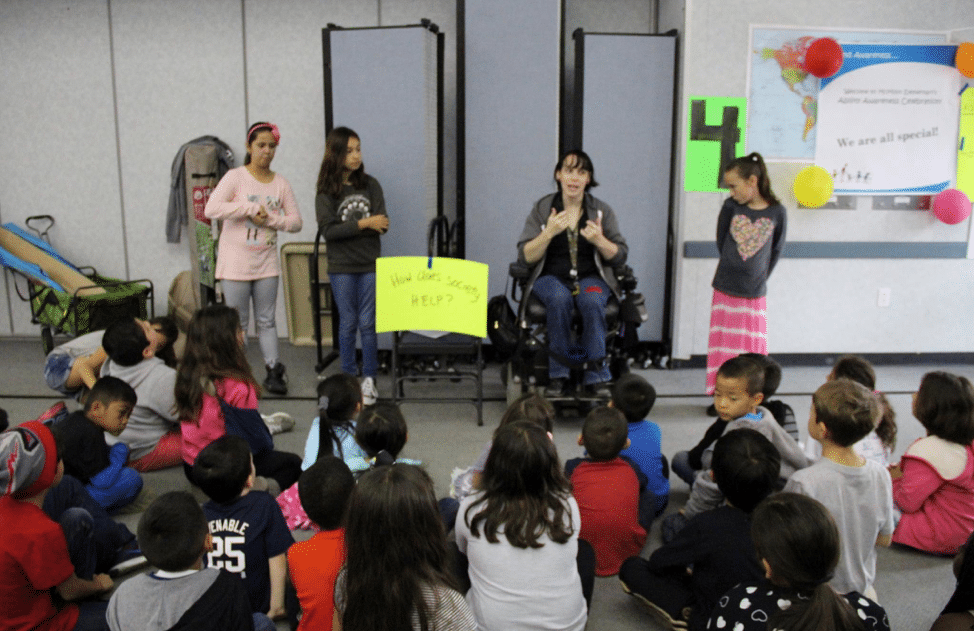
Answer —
951 206
823 58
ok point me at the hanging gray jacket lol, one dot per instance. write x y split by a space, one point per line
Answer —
176 215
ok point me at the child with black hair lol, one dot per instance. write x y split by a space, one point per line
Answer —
87 456
333 430
933 484
716 544
798 544
313 565
382 428
738 396
250 537
332 433
152 433
615 504
780 410
857 491
37 558
634 397
181 594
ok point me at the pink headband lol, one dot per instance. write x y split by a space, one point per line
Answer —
271 127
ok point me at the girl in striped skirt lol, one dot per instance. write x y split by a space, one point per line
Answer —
750 237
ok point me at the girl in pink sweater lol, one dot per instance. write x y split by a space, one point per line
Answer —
934 482
254 204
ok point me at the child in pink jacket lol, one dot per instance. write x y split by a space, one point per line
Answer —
933 485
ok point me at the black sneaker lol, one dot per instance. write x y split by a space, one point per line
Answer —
275 383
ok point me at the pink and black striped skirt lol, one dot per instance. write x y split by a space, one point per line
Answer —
737 325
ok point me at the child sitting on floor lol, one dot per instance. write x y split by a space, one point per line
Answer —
86 455
250 537
314 564
798 544
738 395
878 444
332 433
634 397
857 491
781 411
933 484
382 428
613 499
714 551
152 432
35 562
181 593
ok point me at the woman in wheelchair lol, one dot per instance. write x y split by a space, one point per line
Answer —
569 272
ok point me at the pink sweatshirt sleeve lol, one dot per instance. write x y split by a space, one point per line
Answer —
919 481
227 201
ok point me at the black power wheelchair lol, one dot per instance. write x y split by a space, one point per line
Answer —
526 368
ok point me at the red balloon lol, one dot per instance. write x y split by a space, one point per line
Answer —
951 206
823 57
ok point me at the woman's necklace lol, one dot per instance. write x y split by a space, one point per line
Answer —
572 234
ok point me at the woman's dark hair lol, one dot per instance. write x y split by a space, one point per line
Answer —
945 407
338 396
169 329
212 352
753 164
255 129
580 159
525 492
331 175
530 407
396 547
799 540
855 368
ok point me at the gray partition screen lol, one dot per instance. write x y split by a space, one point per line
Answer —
511 78
384 83
624 87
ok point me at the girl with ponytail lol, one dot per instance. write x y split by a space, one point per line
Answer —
797 542
750 238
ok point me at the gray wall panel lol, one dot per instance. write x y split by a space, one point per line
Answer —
511 75
627 130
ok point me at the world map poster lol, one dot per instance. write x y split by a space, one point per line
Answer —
783 99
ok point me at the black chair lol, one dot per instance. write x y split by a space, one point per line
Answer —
436 354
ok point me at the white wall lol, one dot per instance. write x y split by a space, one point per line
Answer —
821 305
100 94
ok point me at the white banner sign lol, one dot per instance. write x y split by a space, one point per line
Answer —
888 120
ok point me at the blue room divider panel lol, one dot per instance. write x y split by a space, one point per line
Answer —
624 87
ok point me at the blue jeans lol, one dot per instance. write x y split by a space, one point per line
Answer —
559 302
681 467
355 301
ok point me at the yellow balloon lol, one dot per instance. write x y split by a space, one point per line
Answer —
813 187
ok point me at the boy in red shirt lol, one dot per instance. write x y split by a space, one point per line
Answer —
611 491
324 490
34 557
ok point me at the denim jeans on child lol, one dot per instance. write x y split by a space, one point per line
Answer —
355 302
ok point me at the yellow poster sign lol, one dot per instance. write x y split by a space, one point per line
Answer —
438 294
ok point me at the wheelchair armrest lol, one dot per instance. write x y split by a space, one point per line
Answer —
626 277
519 271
